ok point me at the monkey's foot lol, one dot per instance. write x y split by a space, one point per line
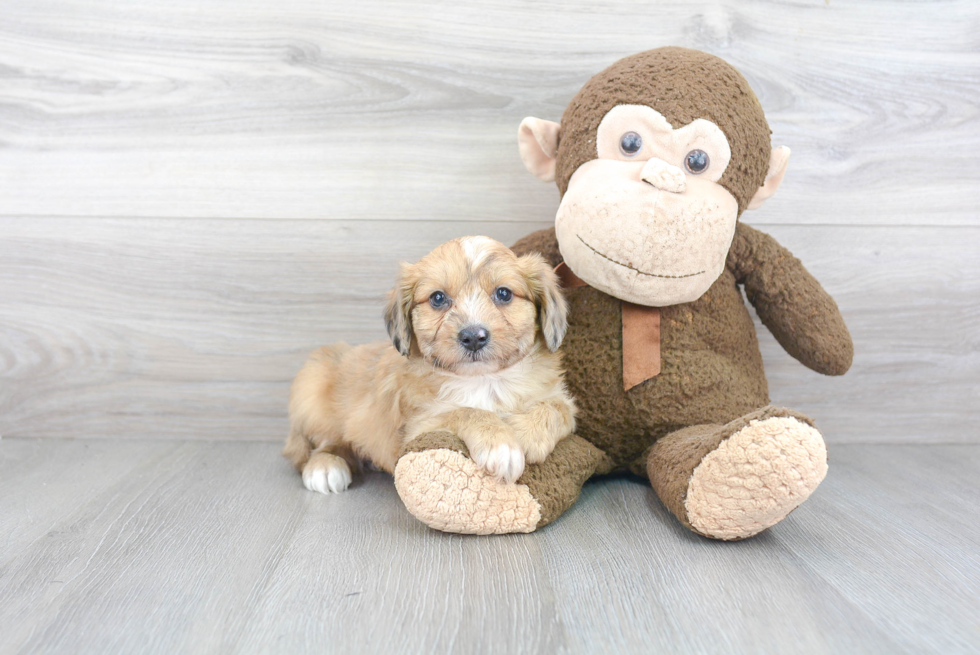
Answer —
442 487
446 490
734 481
755 478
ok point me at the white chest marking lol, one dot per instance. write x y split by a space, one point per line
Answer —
496 392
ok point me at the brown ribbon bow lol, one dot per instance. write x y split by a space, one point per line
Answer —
641 334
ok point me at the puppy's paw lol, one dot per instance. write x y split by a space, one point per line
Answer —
504 460
326 474
540 428
536 442
537 450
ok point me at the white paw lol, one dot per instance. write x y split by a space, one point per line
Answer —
327 474
503 461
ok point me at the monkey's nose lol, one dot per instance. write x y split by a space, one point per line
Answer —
664 176
473 338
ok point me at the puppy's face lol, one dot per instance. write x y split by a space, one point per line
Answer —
472 307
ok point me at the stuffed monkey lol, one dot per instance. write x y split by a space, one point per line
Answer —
656 158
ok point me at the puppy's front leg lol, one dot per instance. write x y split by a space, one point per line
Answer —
491 442
542 426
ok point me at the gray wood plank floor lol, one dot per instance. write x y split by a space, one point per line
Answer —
155 546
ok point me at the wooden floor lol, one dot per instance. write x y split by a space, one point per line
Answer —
206 546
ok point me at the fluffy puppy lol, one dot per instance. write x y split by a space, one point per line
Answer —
474 333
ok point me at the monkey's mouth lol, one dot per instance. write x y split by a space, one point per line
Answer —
633 268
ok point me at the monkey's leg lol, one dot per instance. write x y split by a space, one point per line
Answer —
733 481
442 487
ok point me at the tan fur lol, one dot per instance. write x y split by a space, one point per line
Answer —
507 401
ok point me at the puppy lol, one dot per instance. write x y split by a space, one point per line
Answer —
474 333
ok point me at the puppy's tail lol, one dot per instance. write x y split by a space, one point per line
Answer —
298 448
312 415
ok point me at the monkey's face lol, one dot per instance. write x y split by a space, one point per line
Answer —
647 221
651 184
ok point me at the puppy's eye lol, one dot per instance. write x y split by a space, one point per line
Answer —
696 161
630 143
503 295
438 300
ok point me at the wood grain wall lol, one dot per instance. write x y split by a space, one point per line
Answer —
194 194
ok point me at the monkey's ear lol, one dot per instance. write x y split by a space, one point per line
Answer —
552 308
538 142
777 169
398 316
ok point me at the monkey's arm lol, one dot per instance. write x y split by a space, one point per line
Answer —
542 241
802 316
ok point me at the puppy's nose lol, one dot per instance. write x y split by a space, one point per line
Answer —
473 338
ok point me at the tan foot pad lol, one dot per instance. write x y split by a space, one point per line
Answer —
448 491
755 478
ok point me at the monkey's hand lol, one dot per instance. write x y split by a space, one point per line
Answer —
540 428
790 302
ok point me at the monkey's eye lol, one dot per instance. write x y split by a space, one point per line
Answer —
503 295
438 300
630 143
696 161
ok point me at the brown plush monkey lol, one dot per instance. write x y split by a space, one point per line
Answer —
656 158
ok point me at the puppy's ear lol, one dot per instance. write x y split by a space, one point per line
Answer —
545 288
398 317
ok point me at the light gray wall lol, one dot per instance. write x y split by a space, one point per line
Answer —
194 194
